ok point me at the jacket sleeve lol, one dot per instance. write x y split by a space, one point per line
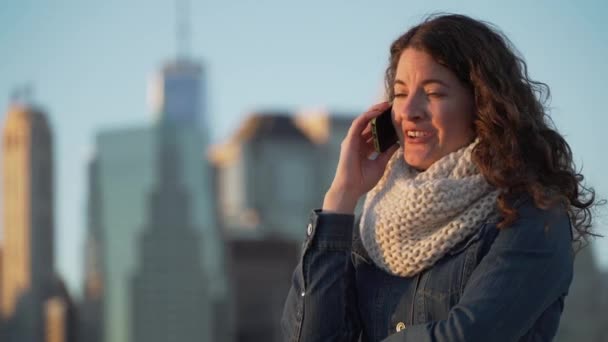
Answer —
321 304
527 268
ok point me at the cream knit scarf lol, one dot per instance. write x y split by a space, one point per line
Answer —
411 219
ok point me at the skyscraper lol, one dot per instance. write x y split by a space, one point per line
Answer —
27 189
584 314
328 130
170 300
91 314
258 265
126 173
177 93
269 176
121 174
275 169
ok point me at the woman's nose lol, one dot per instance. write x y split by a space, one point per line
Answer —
408 109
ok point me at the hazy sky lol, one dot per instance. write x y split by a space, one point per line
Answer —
90 61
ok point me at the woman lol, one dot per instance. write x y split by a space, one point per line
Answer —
466 230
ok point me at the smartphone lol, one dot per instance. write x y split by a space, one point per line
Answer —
383 131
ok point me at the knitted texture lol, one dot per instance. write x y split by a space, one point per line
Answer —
411 219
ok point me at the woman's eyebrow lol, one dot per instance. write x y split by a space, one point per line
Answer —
434 80
425 82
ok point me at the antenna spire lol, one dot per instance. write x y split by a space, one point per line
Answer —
182 10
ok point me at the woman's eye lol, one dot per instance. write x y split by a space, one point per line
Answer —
400 95
434 95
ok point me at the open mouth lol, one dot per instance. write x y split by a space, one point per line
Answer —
414 136
417 134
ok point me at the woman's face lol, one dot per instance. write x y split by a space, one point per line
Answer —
432 109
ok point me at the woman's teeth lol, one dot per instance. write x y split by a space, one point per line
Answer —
414 134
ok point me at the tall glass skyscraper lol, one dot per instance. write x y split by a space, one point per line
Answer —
178 94
169 296
127 168
127 171
91 308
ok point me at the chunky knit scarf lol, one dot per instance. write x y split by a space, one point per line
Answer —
411 219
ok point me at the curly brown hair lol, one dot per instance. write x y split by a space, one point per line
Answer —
519 150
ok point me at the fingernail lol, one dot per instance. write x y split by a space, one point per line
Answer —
373 155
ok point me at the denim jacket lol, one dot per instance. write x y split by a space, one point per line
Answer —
496 285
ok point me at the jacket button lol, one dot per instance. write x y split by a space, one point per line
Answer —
309 229
400 326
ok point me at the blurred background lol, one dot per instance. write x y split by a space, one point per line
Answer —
160 158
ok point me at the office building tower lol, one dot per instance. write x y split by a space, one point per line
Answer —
269 176
258 265
169 296
178 94
126 172
275 169
91 307
27 190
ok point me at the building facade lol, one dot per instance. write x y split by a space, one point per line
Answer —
177 93
269 176
127 173
170 299
275 169
261 269
584 317
91 318
28 222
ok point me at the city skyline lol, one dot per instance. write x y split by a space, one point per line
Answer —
266 55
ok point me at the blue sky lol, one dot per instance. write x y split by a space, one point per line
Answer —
90 62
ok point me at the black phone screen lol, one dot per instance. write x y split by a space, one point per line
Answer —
383 131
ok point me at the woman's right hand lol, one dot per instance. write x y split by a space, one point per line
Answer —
356 173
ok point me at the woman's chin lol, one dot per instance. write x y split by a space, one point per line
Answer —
418 158
419 163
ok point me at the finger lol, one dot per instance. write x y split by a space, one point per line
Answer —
364 137
362 123
367 130
372 154
365 145
363 120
